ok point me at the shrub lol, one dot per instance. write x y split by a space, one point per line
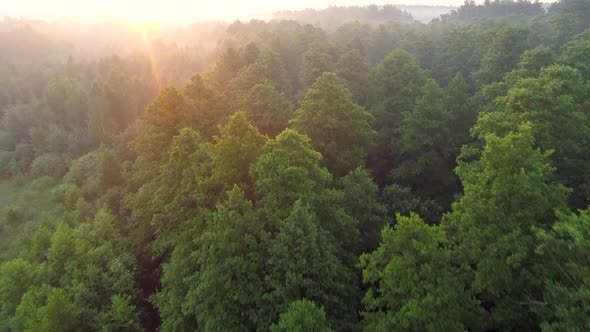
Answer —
14 215
5 158
113 198
23 156
48 164
68 195
20 179
24 152
44 182
5 141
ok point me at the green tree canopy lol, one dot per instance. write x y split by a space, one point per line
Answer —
338 128
566 274
508 191
413 284
302 316
425 151
353 69
554 105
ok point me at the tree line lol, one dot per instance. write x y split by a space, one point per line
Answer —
382 178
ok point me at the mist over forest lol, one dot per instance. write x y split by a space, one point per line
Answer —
352 168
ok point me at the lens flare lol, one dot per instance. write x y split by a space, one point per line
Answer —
144 31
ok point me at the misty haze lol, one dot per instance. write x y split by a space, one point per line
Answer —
294 166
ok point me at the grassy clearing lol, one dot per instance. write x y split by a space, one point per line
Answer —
23 208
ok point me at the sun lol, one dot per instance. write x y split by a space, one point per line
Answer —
141 26
141 20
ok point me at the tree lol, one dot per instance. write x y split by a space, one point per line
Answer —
162 120
363 203
268 108
338 128
577 11
162 207
58 314
49 309
234 149
228 65
502 54
19 119
48 164
61 249
67 102
304 264
553 103
207 106
289 161
354 71
91 264
566 300
267 68
425 145
302 316
95 173
102 117
401 200
40 243
575 53
533 60
398 81
413 283
463 49
231 259
16 277
176 280
462 112
508 191
316 61
121 316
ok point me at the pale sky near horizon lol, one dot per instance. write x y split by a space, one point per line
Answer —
174 11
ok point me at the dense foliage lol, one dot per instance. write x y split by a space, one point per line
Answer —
377 175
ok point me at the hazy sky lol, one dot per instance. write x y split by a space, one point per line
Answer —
180 11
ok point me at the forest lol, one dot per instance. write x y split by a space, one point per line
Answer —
351 169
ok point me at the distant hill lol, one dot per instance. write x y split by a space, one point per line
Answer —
472 11
424 13
333 17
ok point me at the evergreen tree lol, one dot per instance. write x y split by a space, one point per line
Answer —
302 316
316 61
413 283
289 161
303 264
502 54
566 300
425 145
354 71
338 128
16 277
227 292
553 103
462 112
398 81
234 149
575 53
508 191
268 108
400 200
363 203
162 207
47 309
